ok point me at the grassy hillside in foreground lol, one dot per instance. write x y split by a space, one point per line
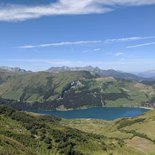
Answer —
72 89
24 134
137 133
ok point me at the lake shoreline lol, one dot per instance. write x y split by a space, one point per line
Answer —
83 108
104 113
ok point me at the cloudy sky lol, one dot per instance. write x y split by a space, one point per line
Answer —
117 34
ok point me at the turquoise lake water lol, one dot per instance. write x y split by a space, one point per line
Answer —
96 113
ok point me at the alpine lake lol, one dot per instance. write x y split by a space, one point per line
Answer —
104 113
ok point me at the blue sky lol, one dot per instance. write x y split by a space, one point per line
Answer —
117 34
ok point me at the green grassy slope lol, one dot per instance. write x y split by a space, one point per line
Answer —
24 134
72 90
137 133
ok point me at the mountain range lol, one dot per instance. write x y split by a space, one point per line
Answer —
27 133
12 69
65 88
98 71
147 75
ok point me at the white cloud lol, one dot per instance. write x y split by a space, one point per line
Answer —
86 42
12 12
128 39
92 50
119 54
63 44
141 45
96 49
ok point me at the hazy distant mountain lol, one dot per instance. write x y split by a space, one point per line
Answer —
12 69
92 70
97 70
66 68
148 74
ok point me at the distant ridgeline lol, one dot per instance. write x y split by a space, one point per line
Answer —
63 88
